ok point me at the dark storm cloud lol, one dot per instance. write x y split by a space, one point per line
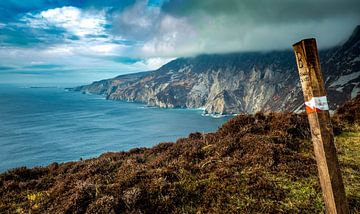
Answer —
240 25
265 11
133 35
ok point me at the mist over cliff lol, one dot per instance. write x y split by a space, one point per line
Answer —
238 82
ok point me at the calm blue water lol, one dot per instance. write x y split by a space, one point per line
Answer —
39 126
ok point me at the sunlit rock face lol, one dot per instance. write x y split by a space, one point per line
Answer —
237 83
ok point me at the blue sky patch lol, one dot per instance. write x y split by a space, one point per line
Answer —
104 37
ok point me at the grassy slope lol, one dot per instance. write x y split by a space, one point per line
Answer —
252 164
348 145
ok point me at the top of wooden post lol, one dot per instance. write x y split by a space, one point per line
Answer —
304 40
309 68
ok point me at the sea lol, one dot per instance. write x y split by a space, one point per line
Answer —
42 125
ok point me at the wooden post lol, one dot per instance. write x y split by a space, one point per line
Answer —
321 129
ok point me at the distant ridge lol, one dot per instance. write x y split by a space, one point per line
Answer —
238 82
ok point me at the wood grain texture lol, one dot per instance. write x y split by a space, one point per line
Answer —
312 83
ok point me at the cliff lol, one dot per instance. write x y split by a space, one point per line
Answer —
238 82
252 164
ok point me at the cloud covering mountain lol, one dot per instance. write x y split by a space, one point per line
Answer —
112 37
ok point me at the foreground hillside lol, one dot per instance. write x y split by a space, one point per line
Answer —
237 83
252 164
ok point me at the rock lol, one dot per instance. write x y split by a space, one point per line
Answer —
237 83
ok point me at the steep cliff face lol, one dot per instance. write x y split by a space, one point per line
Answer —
238 82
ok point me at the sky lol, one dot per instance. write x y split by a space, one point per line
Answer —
79 41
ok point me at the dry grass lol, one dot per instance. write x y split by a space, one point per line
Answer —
252 164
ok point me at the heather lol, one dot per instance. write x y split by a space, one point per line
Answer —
262 163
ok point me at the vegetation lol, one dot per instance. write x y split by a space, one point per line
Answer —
252 164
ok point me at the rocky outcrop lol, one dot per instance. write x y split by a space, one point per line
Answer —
237 83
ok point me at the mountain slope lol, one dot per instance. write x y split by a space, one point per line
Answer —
252 164
238 82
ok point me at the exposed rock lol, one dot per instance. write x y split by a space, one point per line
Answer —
237 83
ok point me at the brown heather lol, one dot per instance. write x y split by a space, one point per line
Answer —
252 164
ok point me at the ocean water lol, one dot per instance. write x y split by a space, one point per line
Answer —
39 126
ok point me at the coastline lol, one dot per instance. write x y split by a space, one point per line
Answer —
265 161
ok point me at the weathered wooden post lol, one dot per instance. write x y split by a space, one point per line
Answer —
321 129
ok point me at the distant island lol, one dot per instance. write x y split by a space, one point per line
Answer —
43 87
